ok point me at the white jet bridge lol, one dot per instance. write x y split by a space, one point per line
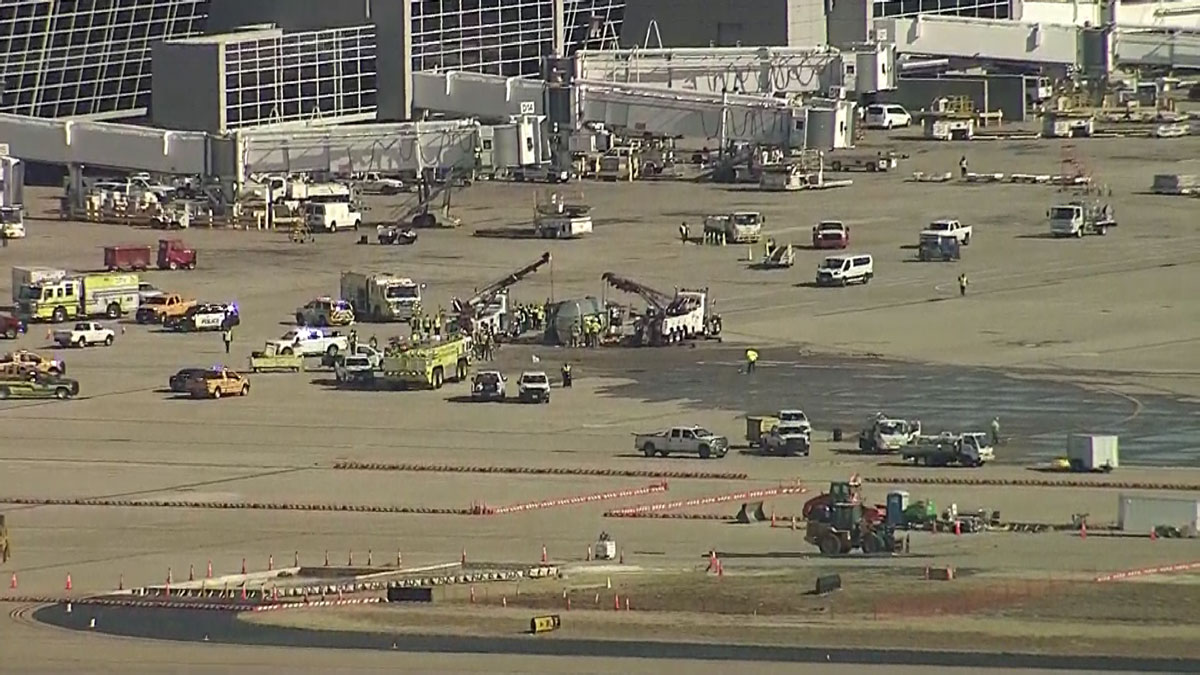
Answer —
1064 45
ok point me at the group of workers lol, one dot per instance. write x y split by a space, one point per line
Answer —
425 326
586 333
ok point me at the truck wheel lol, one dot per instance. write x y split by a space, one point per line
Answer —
647 449
830 545
191 265
437 378
172 265
217 392
81 343
460 372
356 224
967 240
836 165
4 393
1079 233
705 452
62 393
108 340
59 315
245 390
11 333
113 311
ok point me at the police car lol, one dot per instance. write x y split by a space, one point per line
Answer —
325 311
207 316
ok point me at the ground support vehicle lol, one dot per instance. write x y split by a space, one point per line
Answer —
174 255
830 234
757 428
205 317
23 358
779 257
884 434
488 385
78 297
379 184
270 359
374 356
163 307
533 387
41 385
310 342
126 258
217 383
691 440
429 364
1075 219
389 235
1092 452
862 162
10 326
936 246
325 311
951 227
84 334
947 449
847 529
331 216
740 227
381 297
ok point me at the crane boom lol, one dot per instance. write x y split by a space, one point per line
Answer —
656 299
485 295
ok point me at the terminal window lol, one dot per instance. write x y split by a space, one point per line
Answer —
61 58
980 9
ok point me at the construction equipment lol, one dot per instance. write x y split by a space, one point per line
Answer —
489 304
669 320
848 529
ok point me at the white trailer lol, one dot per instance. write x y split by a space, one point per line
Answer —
1092 452
1141 514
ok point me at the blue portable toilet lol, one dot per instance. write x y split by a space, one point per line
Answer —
897 503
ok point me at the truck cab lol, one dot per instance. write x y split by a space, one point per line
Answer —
1075 219
788 438
173 255
884 434
939 246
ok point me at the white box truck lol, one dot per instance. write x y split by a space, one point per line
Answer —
1092 452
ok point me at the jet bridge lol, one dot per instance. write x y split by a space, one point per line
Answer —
1069 46
745 70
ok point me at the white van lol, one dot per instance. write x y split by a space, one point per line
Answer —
887 116
331 216
840 270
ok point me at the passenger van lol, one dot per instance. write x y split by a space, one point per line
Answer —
840 270
887 116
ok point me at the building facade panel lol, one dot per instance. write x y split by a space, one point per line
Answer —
61 58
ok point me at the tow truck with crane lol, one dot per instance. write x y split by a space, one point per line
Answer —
669 319
489 305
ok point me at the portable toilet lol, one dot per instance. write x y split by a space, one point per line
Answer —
897 504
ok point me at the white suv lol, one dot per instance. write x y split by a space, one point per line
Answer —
887 116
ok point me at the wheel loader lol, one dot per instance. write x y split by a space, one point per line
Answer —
847 529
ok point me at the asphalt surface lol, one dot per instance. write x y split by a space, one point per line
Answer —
225 628
1035 414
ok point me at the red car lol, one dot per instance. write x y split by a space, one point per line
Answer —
831 234
10 326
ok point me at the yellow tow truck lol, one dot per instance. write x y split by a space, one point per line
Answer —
429 364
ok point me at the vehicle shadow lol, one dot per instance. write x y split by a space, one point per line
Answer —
1040 235
506 233
470 399
671 457
807 284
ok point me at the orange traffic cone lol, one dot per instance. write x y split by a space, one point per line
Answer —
270 562
720 569
1083 530
957 527
68 581
712 561
621 561
1153 537
463 560
627 603
12 582
543 553
772 519
616 601
243 590
472 595
208 572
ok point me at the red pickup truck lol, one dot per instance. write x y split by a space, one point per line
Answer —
10 326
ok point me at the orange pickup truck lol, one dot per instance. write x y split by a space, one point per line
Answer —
159 308
217 383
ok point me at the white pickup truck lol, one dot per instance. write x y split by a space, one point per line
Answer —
83 334
533 387
380 184
951 227
682 440
311 342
